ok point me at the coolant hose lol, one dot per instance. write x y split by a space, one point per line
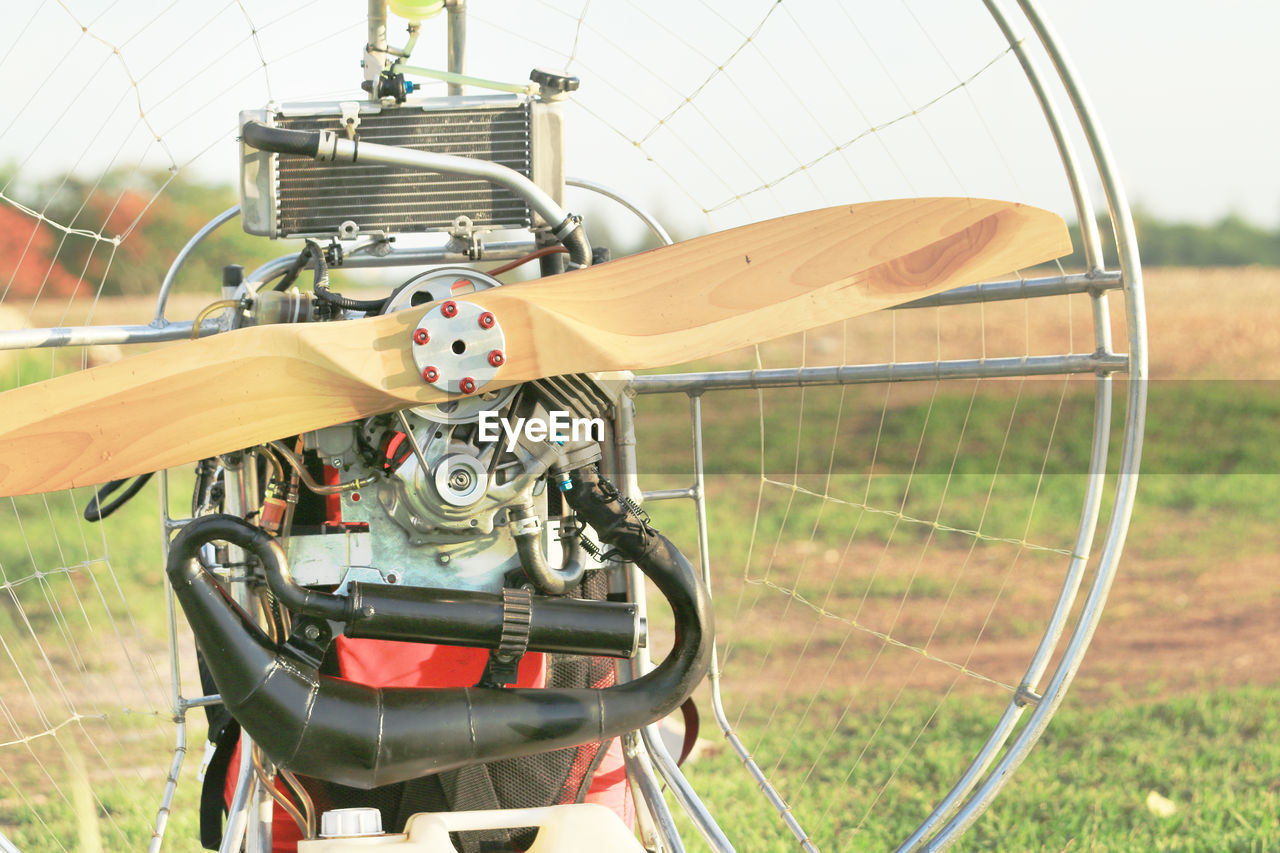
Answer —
363 736
280 140
324 145
534 562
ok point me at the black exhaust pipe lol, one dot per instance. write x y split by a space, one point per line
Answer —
348 733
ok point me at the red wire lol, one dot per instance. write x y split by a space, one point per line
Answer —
532 256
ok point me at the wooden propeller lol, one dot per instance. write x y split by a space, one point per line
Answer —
695 299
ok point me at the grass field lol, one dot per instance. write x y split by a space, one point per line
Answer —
1177 698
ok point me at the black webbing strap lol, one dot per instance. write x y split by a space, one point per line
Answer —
213 803
471 789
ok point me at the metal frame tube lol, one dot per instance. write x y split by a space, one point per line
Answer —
861 374
87 336
83 336
699 495
175 681
362 258
457 11
162 298
240 500
1079 190
1026 288
375 48
1130 453
639 766
647 218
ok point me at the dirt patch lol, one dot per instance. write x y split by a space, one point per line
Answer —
968 621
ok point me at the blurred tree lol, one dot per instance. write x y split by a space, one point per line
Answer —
146 218
1231 241
28 266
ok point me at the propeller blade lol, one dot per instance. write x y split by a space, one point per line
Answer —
696 299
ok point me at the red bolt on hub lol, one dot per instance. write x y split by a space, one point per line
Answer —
430 374
449 309
496 358
487 320
421 336
467 385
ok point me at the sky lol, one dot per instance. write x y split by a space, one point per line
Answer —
1187 93
1184 90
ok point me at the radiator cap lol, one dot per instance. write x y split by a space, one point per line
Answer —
554 82
349 823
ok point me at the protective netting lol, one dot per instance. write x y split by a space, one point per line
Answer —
885 556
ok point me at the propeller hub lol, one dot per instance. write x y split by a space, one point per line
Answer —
454 347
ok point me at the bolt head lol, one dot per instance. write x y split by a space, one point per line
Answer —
487 320
496 358
421 336
311 632
430 374
449 308
467 385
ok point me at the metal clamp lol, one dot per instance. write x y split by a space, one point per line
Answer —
517 616
503 667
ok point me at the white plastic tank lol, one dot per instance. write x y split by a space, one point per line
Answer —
576 828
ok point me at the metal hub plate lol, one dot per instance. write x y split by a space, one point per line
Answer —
455 354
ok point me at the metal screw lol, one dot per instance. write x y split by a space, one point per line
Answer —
449 308
311 632
487 320
496 358
335 462
444 558
421 336
467 385
430 374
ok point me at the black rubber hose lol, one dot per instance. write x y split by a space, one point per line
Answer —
321 285
534 563
96 510
575 240
280 140
362 736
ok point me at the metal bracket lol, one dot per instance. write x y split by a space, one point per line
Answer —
309 639
350 117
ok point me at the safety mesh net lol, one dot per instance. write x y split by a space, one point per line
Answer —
885 555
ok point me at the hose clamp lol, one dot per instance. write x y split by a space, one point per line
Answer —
528 526
517 619
326 148
571 223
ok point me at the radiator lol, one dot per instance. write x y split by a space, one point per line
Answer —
285 195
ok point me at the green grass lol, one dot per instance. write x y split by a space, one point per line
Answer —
1012 465
973 463
1084 787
